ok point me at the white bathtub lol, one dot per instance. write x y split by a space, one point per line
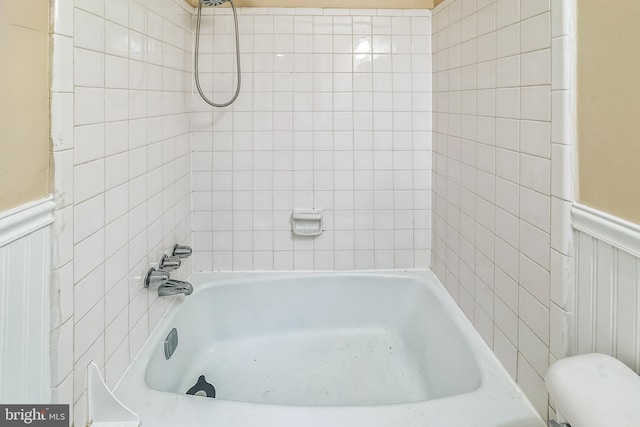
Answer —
307 350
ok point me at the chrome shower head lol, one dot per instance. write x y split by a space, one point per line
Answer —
213 2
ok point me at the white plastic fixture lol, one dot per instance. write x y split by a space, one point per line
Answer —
307 222
105 410
594 390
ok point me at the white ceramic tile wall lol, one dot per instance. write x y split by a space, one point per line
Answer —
563 143
121 122
334 114
502 175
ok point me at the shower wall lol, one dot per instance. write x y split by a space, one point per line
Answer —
502 176
121 137
334 114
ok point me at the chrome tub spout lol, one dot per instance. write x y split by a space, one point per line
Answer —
175 287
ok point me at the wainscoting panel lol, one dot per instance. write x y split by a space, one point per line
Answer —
25 269
607 287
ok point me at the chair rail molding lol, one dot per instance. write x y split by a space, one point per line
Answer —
617 232
25 219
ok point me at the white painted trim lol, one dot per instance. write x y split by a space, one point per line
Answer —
25 273
18 222
611 229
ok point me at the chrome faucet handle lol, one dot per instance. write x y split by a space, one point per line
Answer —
169 263
182 251
155 277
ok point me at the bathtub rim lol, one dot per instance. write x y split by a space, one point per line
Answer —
495 382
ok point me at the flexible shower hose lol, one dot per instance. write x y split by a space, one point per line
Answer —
238 71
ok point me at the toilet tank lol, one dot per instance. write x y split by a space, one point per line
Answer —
594 390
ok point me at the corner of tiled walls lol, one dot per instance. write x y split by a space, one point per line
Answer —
334 114
502 176
563 146
121 102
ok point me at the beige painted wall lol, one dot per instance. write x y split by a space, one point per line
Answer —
609 107
24 102
350 4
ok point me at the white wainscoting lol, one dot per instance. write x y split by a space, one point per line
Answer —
25 269
607 285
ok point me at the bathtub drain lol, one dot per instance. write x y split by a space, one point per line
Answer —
202 388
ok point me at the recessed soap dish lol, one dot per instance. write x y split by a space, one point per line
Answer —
307 222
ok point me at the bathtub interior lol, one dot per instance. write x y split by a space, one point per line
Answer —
327 340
